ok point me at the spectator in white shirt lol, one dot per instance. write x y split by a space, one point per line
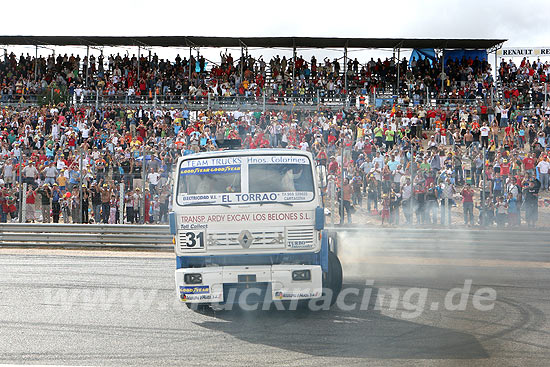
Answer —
484 131
153 179
543 168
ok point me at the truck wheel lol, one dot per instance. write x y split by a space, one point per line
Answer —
333 242
198 307
333 279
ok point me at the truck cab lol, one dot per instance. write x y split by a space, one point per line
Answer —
248 229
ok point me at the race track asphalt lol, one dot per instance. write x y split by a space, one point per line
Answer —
106 308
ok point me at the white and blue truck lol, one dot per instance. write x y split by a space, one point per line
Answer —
249 227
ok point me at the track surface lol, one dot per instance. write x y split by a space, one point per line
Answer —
117 309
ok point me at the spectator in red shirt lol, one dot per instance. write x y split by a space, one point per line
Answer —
509 130
468 205
322 157
505 168
30 201
333 166
529 164
483 110
142 131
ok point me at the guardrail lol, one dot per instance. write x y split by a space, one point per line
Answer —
444 235
93 236
192 102
158 238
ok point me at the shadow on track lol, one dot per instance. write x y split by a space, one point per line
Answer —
353 334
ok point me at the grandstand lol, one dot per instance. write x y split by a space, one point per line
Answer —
246 83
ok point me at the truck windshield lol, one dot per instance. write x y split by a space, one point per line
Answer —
241 179
279 178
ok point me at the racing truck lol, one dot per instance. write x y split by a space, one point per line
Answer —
249 228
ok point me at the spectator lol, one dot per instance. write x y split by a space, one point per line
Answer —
531 202
31 209
468 205
447 190
345 196
30 174
95 193
46 195
543 167
56 203
105 193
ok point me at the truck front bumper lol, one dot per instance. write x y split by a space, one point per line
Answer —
246 284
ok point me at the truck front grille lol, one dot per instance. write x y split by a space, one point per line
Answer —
272 239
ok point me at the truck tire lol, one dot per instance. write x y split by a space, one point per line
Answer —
333 242
198 307
333 280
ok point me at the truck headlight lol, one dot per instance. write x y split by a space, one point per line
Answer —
192 278
301 275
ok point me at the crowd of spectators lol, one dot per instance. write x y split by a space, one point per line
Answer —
524 84
118 78
398 163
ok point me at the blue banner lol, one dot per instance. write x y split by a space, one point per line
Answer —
209 170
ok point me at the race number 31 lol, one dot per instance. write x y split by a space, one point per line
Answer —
193 239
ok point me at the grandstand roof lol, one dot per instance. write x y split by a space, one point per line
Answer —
261 42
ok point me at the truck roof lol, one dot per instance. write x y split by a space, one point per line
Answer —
245 152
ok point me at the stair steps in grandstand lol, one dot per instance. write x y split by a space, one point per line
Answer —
499 91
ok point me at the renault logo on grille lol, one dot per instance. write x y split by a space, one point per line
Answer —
245 238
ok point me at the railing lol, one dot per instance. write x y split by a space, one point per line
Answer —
261 102
92 236
24 99
319 100
201 102
158 238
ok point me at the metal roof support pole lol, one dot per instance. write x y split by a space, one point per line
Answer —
155 87
496 64
197 60
398 69
87 63
35 63
242 65
495 50
189 63
138 60
293 64
346 72
496 75
442 70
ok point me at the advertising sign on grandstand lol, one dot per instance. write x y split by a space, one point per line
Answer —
523 51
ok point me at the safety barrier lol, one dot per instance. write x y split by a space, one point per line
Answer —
120 236
193 103
453 234
158 238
